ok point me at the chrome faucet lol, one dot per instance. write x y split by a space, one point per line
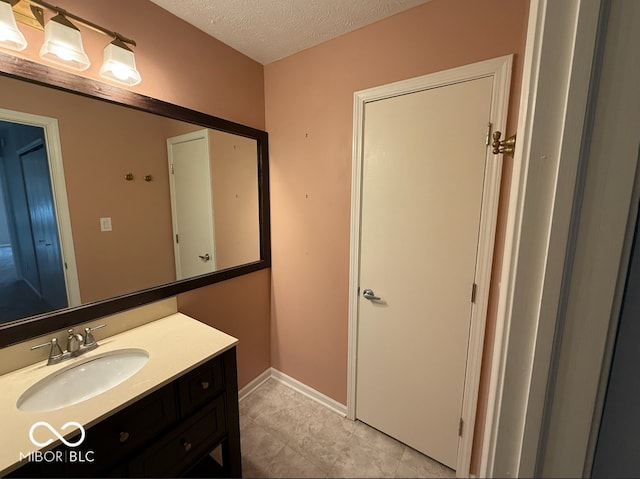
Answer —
77 344
74 342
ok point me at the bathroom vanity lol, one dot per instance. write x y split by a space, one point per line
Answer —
161 422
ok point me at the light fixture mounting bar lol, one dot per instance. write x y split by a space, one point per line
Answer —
85 22
24 12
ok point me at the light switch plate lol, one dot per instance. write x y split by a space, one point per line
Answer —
105 224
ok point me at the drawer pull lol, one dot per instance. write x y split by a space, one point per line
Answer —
204 384
186 445
124 436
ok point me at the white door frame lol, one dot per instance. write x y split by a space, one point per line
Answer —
174 140
500 70
557 61
58 186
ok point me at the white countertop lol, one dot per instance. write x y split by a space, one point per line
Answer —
176 344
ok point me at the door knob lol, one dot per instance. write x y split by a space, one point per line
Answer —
204 257
370 295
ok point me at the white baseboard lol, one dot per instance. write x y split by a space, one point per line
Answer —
296 385
254 384
308 391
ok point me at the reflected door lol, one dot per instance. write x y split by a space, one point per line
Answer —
191 204
44 227
423 172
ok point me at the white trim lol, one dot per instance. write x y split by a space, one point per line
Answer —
254 384
500 70
550 126
591 273
498 363
294 384
58 186
309 392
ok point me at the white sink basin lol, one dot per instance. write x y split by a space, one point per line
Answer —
82 380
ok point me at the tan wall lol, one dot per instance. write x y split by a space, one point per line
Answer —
237 307
234 175
309 103
182 65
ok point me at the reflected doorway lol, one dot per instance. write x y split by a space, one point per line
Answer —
32 277
17 300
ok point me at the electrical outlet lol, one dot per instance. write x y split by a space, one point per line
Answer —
105 224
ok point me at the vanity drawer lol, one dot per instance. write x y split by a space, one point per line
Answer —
200 385
131 428
175 453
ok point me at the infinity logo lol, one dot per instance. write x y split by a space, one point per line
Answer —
57 434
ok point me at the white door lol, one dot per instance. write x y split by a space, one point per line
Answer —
191 204
44 227
422 187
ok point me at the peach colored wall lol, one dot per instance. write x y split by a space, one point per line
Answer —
235 199
309 104
237 307
182 65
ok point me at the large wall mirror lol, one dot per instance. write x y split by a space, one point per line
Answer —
110 199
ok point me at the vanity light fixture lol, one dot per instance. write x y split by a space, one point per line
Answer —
63 44
10 36
63 41
120 64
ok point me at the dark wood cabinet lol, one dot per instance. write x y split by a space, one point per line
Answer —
184 446
168 433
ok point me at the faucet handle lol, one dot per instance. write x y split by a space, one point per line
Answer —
55 354
89 340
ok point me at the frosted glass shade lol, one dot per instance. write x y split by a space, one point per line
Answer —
10 36
120 64
63 44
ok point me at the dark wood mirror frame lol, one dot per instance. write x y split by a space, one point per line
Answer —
26 70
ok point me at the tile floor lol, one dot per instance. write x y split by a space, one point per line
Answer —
286 434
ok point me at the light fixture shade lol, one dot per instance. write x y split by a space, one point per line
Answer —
120 64
63 44
10 36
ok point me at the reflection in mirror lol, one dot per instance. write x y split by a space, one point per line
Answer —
31 265
214 201
74 230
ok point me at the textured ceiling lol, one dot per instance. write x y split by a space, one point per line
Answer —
267 30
